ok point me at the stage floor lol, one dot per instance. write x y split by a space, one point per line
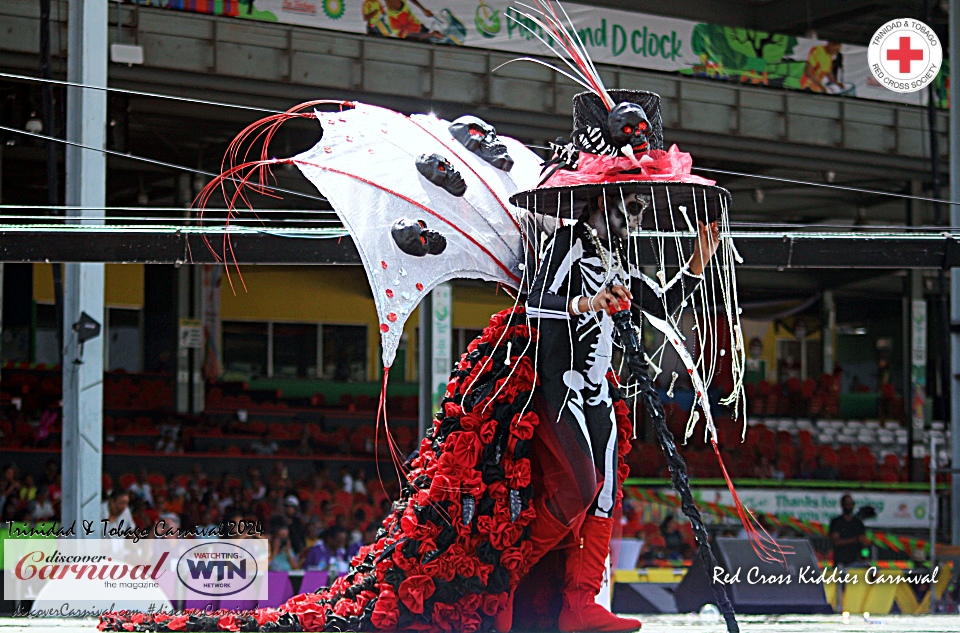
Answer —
655 623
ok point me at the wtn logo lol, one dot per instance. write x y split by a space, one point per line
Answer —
224 569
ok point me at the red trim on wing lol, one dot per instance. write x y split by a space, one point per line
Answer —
416 204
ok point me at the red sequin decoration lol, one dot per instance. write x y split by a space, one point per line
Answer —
384 327
419 286
383 264
392 317
389 293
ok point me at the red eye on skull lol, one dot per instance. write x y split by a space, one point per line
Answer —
627 129
423 240
477 132
642 126
440 167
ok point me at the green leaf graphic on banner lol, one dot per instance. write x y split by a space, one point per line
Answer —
487 20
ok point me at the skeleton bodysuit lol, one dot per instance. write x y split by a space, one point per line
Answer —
576 352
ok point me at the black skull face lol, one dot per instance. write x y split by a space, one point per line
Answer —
440 172
628 125
414 238
480 137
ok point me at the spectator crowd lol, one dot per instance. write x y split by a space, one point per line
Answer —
313 524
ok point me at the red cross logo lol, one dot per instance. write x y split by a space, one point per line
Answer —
905 54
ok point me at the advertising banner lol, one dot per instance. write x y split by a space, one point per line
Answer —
442 339
119 570
894 509
622 38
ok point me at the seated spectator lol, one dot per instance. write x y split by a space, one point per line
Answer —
675 545
282 555
330 553
346 478
824 471
28 490
116 510
141 487
763 469
9 484
369 537
50 473
42 508
168 525
257 489
314 530
264 445
295 525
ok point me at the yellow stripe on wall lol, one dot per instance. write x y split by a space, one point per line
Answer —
340 294
123 285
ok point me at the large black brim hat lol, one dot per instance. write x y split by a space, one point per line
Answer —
661 201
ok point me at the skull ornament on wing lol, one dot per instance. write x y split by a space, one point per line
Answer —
480 137
414 238
628 125
442 173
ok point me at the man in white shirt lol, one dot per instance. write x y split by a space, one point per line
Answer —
116 511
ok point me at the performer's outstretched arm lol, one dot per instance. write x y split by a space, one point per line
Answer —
667 299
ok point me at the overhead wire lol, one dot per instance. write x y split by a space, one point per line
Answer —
153 161
726 172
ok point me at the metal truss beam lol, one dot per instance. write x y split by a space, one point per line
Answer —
778 251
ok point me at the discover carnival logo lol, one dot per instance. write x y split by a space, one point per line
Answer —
90 569
905 55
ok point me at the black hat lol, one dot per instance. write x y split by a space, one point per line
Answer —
661 184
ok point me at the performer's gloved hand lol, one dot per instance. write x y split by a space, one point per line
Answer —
611 298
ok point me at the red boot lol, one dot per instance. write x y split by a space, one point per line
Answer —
585 568
545 534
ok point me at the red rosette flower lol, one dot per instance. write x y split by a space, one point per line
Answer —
508 387
441 567
386 612
462 450
263 616
472 482
505 535
137 617
483 572
497 491
470 622
444 488
452 410
487 431
228 622
493 603
128 626
178 623
512 559
518 473
480 367
472 421
313 617
415 590
446 616
470 603
524 372
160 618
522 426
